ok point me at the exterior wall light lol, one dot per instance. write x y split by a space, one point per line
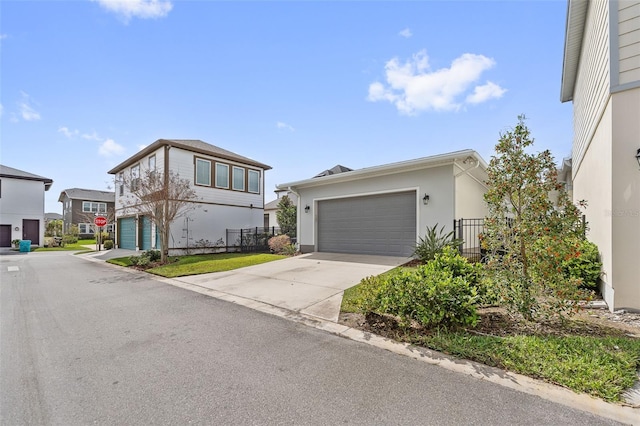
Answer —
638 156
307 208
425 199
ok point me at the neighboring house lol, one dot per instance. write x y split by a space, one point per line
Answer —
49 217
271 208
601 76
384 210
230 188
22 206
81 206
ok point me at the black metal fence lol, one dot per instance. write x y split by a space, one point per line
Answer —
469 231
250 240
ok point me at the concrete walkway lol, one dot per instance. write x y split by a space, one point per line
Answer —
311 284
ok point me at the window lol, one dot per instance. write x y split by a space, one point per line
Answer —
238 178
135 177
222 175
85 228
121 183
152 163
92 207
254 181
203 172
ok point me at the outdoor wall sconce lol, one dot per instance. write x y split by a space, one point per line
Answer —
307 208
638 156
425 199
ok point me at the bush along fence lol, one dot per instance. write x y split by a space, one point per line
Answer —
250 240
470 232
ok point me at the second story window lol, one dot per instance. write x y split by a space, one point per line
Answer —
93 207
203 172
135 177
254 181
222 175
121 183
238 178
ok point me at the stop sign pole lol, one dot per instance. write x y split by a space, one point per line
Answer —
100 221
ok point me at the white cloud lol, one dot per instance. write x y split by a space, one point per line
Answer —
413 87
68 133
484 93
91 136
110 148
285 126
143 9
1 110
26 111
141 147
406 33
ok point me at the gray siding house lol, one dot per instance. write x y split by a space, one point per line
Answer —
80 206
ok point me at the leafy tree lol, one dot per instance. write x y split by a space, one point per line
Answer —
287 216
54 228
162 197
528 236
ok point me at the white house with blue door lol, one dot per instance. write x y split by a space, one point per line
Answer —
229 187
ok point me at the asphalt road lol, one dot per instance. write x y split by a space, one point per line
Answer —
84 343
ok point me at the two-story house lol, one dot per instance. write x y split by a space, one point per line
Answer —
601 76
229 189
80 206
22 206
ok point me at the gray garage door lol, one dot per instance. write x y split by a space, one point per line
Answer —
378 224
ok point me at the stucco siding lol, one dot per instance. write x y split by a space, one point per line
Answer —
625 202
470 202
593 184
592 85
21 199
436 182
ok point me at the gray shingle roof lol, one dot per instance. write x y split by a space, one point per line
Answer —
88 195
10 172
334 170
193 145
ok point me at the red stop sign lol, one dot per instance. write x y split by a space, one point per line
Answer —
100 221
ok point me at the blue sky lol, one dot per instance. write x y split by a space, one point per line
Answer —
301 86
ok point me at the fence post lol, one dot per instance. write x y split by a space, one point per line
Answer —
241 241
584 226
460 231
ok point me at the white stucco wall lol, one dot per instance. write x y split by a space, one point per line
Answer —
593 184
470 202
437 182
22 199
625 199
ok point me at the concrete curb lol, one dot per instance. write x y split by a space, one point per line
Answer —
620 413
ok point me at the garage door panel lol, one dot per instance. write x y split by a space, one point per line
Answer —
127 233
380 224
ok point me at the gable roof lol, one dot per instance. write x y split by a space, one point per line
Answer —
88 195
576 19
457 157
10 172
193 145
52 216
334 170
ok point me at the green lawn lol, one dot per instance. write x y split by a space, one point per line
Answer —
204 263
601 366
79 246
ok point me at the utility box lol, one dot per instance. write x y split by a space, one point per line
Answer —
25 246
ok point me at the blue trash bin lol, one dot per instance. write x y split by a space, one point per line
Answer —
25 246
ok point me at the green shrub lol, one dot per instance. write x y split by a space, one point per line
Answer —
69 239
434 242
104 235
153 255
585 265
108 244
442 292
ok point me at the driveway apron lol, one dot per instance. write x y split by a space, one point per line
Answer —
311 284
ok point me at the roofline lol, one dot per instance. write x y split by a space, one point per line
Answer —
47 182
385 169
64 191
170 142
574 33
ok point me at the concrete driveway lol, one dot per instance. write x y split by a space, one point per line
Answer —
311 284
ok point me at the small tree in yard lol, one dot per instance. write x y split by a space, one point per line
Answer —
162 197
527 235
54 228
287 216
